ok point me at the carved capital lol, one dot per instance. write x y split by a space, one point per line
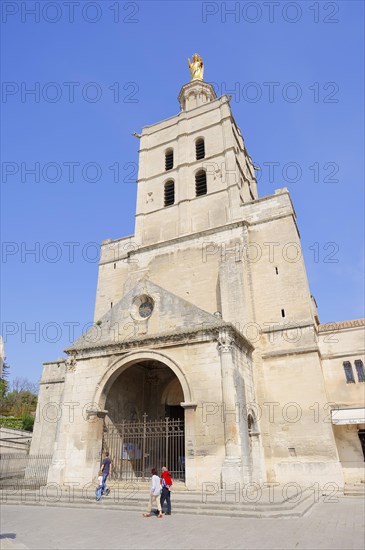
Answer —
186 405
225 341
96 413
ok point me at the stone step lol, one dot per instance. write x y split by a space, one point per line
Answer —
296 513
250 500
258 510
354 490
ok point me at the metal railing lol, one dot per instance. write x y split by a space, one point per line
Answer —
24 470
136 447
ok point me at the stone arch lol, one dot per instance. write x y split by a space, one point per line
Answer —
144 392
172 393
123 363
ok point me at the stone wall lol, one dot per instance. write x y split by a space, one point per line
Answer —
14 441
49 407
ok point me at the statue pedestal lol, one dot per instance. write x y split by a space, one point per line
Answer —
195 94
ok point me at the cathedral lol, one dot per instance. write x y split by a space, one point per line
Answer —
206 354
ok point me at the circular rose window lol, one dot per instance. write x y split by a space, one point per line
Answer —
145 309
142 307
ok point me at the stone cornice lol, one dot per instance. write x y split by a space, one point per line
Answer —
197 234
47 382
341 325
207 333
294 351
183 238
352 354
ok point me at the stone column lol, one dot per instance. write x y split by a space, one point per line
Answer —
234 470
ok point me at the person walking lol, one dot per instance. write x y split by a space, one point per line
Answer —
166 483
155 491
106 470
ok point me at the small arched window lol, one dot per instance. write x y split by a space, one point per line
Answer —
169 159
199 149
200 183
169 194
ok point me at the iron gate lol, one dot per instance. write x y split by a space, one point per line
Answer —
136 447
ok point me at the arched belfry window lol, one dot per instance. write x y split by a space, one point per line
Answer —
200 183
169 159
199 149
169 194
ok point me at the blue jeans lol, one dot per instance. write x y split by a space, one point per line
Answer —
165 495
103 484
98 492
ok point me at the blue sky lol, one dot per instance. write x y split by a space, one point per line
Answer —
295 73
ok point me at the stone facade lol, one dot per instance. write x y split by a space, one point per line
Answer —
209 302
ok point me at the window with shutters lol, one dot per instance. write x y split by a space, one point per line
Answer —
200 183
169 194
360 370
348 372
199 149
169 159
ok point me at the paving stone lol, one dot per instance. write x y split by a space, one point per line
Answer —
326 526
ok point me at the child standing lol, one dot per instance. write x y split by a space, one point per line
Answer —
99 488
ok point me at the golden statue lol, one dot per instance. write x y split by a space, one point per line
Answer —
196 67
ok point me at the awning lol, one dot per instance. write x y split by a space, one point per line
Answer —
348 416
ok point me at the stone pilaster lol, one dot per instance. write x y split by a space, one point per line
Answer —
232 467
65 424
191 478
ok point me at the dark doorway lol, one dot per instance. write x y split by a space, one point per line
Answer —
144 427
175 412
362 441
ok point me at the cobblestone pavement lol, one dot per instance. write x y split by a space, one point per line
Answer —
330 526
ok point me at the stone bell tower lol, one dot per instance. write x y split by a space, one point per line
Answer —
194 169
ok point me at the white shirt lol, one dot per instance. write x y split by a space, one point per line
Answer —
155 486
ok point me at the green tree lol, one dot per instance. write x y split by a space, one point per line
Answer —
27 422
4 384
21 401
